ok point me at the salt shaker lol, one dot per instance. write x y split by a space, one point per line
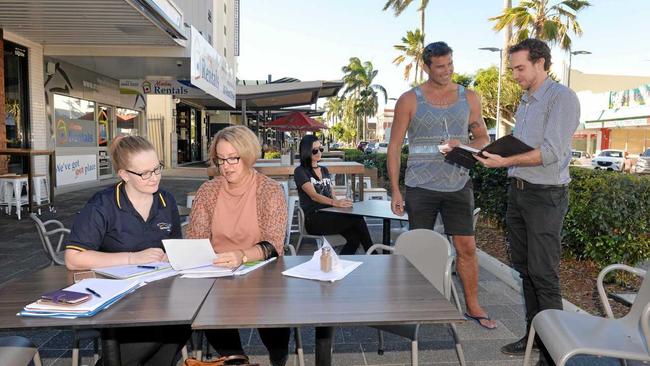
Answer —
326 260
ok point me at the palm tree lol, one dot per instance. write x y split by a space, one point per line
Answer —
538 19
334 108
399 6
359 88
412 48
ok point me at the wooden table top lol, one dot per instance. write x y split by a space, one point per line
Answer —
369 208
385 289
17 151
170 301
334 167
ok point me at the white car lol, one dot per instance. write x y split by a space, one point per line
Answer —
382 148
609 160
643 163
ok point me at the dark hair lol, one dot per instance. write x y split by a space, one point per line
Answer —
305 150
435 49
536 49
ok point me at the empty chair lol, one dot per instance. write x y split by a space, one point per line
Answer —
566 334
18 351
334 240
54 253
13 188
430 253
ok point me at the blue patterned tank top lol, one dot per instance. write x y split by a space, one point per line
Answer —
426 167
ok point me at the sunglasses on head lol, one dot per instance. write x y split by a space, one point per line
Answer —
316 151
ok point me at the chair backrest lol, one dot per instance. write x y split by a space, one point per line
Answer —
54 254
430 253
290 207
641 301
301 221
18 351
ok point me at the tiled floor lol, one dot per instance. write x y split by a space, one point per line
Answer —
21 253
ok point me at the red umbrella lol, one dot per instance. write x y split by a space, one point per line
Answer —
296 121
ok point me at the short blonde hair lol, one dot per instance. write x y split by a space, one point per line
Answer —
123 147
242 139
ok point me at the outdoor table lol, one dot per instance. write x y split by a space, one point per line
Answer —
172 301
30 182
334 167
384 290
371 208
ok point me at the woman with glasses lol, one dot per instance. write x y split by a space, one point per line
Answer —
125 224
315 192
244 215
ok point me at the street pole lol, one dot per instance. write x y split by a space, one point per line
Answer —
498 121
571 53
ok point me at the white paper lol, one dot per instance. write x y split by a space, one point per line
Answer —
214 271
108 289
189 253
470 149
311 270
131 270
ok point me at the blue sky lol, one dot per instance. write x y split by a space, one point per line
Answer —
313 39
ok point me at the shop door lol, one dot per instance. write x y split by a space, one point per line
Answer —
16 103
105 124
183 134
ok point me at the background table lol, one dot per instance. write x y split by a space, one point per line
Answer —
371 208
384 290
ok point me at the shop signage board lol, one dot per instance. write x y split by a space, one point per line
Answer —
180 88
210 71
75 133
626 123
71 169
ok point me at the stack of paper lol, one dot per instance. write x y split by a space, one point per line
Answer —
193 259
311 270
144 273
109 292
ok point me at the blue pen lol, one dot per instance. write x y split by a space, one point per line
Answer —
93 292
148 267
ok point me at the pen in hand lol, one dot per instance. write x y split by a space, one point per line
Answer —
93 292
147 267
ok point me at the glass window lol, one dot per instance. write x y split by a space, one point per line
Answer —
127 121
74 122
16 95
103 125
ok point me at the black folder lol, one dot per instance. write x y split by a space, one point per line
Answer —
506 146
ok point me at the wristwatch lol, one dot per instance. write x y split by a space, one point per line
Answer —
244 258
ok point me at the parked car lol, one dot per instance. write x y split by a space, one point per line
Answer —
580 158
370 148
610 160
335 146
362 145
382 148
643 163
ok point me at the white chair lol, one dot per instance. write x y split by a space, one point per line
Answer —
566 334
41 186
334 240
13 187
190 199
430 253
375 194
291 202
18 351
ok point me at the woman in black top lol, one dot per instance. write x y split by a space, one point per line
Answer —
315 192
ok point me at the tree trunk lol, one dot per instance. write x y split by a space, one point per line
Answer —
507 36
423 44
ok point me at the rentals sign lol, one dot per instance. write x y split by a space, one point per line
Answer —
210 70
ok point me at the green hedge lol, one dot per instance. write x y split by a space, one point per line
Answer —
272 155
608 219
609 213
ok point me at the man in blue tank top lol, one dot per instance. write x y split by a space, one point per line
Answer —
439 115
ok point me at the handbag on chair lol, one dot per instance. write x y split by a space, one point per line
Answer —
221 361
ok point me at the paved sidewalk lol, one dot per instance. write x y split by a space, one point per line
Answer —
21 253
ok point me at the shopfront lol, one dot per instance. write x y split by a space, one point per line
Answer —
87 112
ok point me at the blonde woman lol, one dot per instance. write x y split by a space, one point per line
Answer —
244 215
125 224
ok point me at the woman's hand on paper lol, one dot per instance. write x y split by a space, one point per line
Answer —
148 256
342 203
228 259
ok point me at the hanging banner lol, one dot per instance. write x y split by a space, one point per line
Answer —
210 71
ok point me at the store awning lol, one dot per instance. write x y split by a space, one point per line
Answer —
275 96
620 117
91 22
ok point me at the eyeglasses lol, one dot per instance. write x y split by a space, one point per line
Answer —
149 174
316 151
231 161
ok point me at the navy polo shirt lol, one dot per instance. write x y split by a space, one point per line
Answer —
109 223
